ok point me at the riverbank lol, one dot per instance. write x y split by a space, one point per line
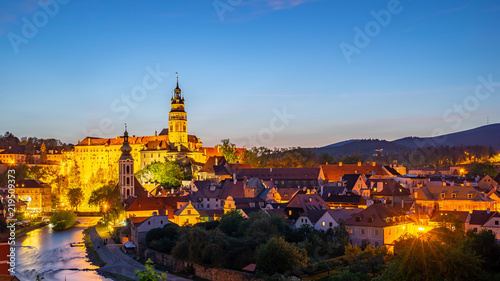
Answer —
26 229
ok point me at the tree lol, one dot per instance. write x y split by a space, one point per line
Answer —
62 220
149 273
279 256
43 153
75 197
108 199
230 222
229 151
168 173
428 258
481 169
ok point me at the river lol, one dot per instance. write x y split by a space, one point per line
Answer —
47 253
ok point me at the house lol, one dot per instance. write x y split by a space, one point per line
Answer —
379 225
309 218
147 206
187 215
388 191
356 183
487 183
303 203
210 215
333 173
139 226
284 194
495 196
208 169
36 195
332 218
488 220
463 216
347 201
451 198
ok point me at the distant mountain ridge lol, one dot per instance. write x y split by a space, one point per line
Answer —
488 135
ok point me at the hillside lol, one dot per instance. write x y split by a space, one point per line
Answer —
488 135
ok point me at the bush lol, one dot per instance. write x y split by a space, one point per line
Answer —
63 220
279 256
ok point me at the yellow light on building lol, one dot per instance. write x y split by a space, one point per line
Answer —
421 229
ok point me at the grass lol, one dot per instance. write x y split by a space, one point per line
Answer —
94 257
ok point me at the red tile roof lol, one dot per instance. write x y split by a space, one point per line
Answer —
379 215
160 204
279 173
335 172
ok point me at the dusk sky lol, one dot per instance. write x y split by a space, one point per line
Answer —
417 69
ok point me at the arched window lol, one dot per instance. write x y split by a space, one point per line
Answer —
128 192
128 181
128 169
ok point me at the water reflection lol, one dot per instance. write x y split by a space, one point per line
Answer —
47 253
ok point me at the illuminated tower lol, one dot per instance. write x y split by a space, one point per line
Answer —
177 119
126 169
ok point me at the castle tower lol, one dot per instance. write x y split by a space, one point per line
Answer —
126 169
177 119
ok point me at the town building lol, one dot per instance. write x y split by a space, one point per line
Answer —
36 194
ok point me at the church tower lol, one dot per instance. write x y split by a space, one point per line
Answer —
126 169
177 119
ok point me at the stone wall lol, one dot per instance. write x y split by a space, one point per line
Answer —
203 271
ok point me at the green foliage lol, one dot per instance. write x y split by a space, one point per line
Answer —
229 151
108 199
483 243
149 273
201 246
63 220
163 239
481 169
279 256
230 222
427 258
20 216
168 173
75 197
43 153
293 157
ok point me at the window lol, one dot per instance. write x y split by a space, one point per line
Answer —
208 205
189 212
161 222
376 232
290 212
496 222
454 195
187 221
301 220
362 231
376 244
323 224
331 224
469 195
442 195
149 223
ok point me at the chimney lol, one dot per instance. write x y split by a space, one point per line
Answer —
88 141
488 211
326 162
234 179
402 204
359 164
216 161
374 164
340 164
218 148
380 186
156 133
270 170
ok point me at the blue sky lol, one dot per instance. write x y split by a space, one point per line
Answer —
242 64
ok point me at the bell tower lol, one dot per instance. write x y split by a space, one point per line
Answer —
177 119
126 169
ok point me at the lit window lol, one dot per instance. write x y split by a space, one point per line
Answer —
323 223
